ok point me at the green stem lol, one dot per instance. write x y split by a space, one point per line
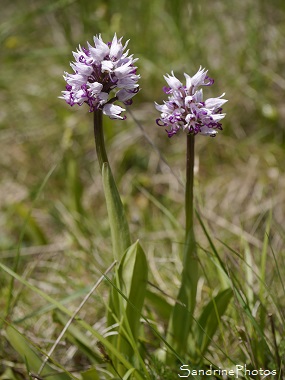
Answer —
117 219
99 139
190 262
189 184
182 315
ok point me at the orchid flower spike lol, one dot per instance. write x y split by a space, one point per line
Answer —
185 108
103 74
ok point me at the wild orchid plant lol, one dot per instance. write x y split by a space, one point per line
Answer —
104 75
186 110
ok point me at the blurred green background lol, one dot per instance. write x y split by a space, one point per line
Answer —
239 174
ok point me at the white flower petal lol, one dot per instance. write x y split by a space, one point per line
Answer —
116 48
199 78
173 82
215 102
107 66
100 45
124 95
113 111
95 87
81 68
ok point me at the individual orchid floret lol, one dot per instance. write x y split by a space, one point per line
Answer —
103 74
185 108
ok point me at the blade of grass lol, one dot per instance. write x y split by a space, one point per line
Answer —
85 325
223 273
21 345
257 275
210 319
160 206
9 304
78 338
92 290
47 308
263 266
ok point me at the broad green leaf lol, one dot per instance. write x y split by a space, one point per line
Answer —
118 223
159 303
133 274
182 314
126 302
91 374
209 320
21 345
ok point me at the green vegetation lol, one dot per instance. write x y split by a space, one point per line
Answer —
55 237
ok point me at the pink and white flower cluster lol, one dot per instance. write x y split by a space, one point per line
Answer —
100 71
185 108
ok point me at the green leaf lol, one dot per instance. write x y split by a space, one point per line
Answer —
133 274
160 305
181 319
126 302
34 362
118 223
128 374
91 374
209 320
